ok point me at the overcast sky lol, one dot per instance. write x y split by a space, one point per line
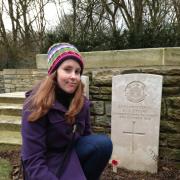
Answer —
50 15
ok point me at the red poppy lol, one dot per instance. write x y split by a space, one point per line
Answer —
114 162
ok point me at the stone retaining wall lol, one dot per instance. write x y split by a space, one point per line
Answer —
100 94
166 62
1 82
19 79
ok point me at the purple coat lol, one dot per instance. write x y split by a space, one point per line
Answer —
47 133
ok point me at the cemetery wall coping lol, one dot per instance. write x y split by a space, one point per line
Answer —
124 58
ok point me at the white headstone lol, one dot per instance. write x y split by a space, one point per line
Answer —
136 105
85 80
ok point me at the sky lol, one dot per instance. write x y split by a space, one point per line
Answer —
50 15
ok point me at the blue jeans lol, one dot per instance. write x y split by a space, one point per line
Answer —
94 152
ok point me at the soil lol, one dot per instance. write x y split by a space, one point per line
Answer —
166 171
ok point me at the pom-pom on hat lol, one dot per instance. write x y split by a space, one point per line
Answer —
60 52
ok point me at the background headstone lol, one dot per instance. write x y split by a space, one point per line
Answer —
85 80
136 104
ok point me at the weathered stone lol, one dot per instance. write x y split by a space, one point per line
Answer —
102 121
153 70
124 58
12 98
102 97
170 126
103 77
105 90
10 137
92 120
8 86
88 73
103 80
25 71
7 81
173 101
18 85
102 73
171 70
130 71
85 81
9 76
39 73
168 154
173 140
108 108
169 91
171 80
173 114
163 70
9 71
163 139
98 129
98 107
171 56
7 90
94 90
163 108
41 61
12 89
10 127
136 101
22 76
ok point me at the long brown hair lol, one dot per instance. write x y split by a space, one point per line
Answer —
43 96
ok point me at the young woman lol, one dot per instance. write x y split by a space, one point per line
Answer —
57 143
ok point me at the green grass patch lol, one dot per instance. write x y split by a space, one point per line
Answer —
5 169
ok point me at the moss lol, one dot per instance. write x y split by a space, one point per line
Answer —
5 169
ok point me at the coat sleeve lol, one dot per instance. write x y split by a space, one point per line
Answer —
87 130
34 148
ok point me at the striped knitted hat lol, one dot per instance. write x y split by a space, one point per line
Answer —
60 52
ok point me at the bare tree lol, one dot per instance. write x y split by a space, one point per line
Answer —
157 13
74 17
132 12
27 26
111 9
176 5
90 17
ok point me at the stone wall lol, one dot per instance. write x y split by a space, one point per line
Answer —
100 68
1 82
20 79
100 95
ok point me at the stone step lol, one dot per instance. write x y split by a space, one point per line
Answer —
11 123
14 97
10 109
10 138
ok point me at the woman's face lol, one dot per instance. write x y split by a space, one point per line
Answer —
68 75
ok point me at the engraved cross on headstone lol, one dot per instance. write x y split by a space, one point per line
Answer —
133 133
136 98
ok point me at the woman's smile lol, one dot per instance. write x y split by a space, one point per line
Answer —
68 75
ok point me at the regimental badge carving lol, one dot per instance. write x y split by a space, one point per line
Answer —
135 91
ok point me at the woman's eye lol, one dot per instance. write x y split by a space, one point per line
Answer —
67 69
78 71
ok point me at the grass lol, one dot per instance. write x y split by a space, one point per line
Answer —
5 169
